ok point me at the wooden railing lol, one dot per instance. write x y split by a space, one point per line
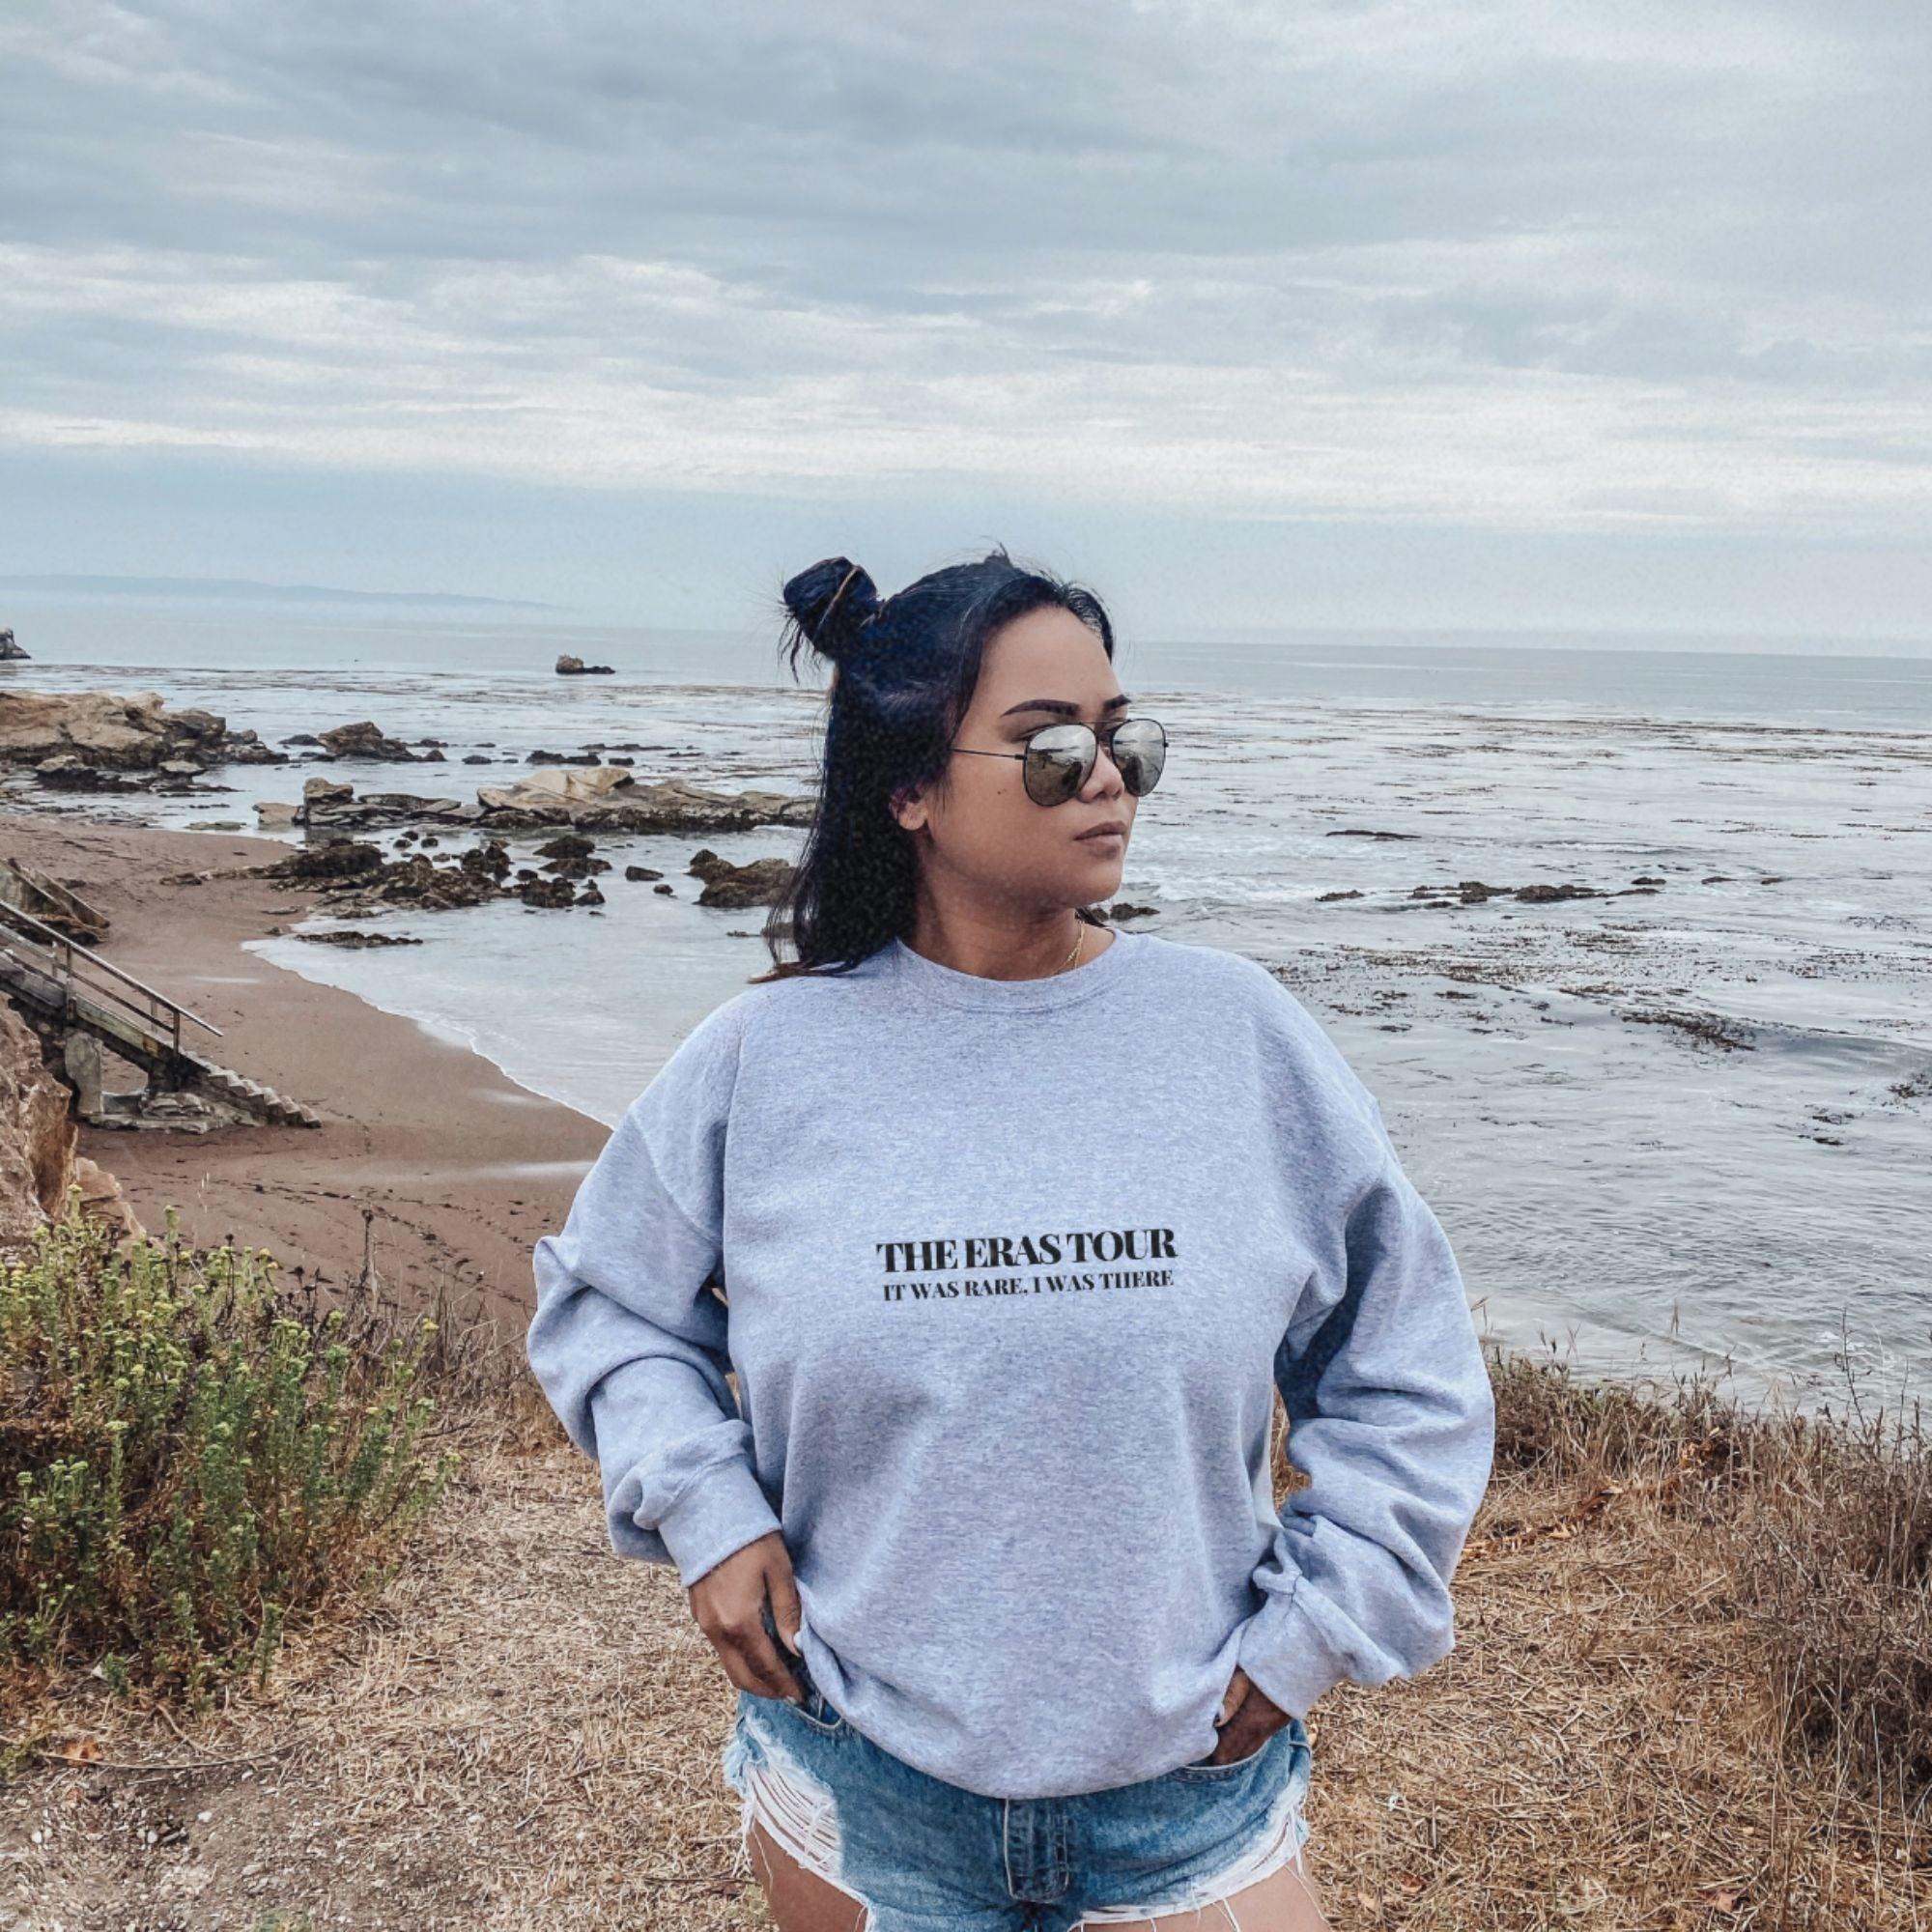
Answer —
84 971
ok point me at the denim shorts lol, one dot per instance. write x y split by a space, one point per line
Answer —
926 1855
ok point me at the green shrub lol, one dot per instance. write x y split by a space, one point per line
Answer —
188 1457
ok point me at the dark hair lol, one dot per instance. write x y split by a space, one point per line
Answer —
903 673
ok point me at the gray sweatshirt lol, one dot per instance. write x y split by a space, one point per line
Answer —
1008 1272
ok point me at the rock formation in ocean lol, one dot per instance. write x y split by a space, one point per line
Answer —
365 741
607 798
67 735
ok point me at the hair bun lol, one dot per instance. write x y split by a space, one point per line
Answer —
831 602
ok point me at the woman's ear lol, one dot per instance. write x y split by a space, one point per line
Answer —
908 807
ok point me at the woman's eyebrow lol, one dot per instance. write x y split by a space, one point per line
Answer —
1061 706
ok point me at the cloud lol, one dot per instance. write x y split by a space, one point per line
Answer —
1543 268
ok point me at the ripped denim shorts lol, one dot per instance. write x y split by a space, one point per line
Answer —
921 1854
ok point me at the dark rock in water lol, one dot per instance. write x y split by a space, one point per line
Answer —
358 882
1360 832
570 667
759 883
547 893
665 891
328 804
543 757
67 773
1466 891
243 748
639 873
420 881
8 649
348 936
335 859
573 857
1323 897
492 859
363 740
1547 895
1124 909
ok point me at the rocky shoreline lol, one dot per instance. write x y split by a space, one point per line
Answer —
100 741
428 1157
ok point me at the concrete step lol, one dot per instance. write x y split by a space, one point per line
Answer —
254 1095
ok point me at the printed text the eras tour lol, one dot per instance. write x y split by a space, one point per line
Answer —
987 1262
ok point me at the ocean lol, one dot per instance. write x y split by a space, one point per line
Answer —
1692 1131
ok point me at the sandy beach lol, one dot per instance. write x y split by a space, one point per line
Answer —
430 1135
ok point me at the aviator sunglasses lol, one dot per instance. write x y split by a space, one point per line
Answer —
1059 758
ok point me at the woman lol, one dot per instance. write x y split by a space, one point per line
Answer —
1020 1220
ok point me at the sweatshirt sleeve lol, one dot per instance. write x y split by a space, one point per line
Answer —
1392 1419
628 1341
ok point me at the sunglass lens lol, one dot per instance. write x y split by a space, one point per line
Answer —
1058 762
1140 751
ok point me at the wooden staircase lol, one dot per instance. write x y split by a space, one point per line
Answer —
65 987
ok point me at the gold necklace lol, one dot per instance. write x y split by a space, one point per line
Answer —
1078 936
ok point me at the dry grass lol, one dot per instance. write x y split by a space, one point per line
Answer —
1689 1690
1674 1625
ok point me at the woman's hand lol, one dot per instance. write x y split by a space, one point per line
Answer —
728 1602
1248 1719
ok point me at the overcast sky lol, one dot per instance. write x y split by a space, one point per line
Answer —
1383 314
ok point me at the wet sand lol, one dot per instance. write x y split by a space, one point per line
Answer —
463 1167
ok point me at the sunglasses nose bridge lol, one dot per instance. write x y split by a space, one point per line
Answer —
1099 749
1102 749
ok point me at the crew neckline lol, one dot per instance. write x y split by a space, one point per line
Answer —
914 972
